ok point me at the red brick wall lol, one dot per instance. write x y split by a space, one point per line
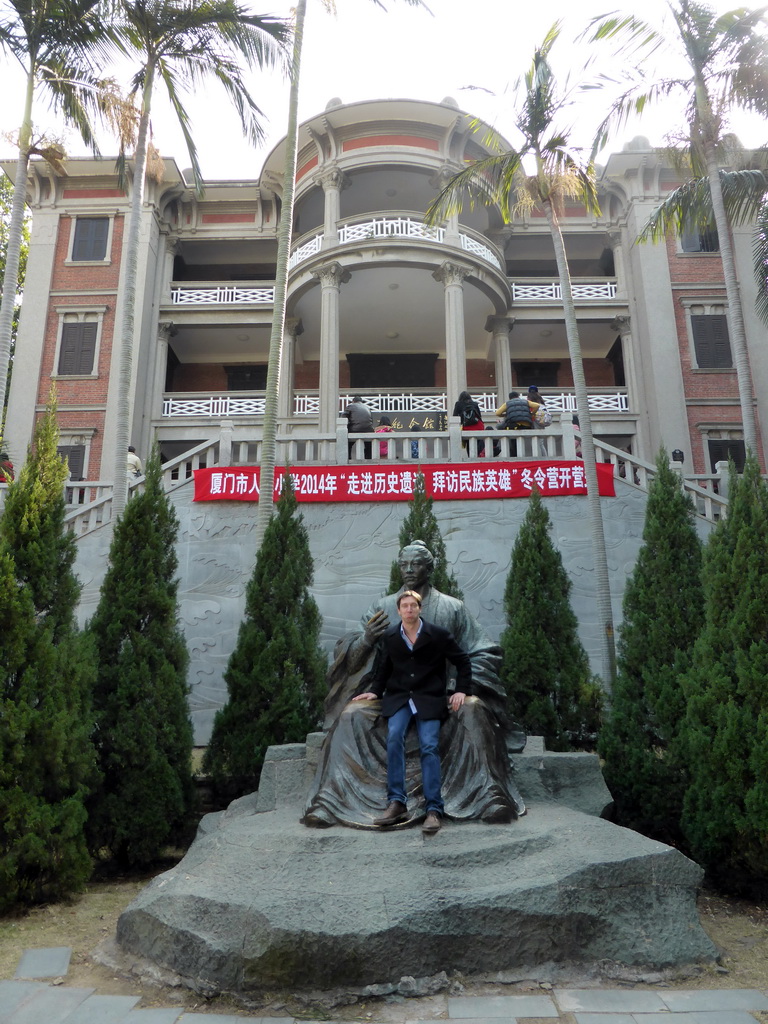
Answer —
86 281
199 377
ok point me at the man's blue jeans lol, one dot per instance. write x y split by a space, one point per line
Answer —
429 736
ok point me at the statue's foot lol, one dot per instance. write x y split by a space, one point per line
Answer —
315 819
499 814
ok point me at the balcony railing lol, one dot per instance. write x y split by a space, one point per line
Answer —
232 405
550 291
219 294
393 227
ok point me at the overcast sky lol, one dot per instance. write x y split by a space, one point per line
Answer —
473 51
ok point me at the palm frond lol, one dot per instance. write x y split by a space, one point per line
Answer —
690 205
485 182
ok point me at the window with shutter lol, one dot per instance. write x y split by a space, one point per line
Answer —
711 341
91 236
78 348
720 449
74 456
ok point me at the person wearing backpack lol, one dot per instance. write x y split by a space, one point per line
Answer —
468 411
518 413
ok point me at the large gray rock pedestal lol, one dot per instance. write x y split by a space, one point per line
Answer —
262 902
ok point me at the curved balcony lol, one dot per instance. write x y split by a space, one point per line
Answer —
389 227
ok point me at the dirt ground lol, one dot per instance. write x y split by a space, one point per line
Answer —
738 928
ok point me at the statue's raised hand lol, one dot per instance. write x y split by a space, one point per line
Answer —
375 628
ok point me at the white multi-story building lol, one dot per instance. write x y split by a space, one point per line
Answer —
378 303
381 305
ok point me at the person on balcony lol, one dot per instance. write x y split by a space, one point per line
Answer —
134 467
359 421
468 411
518 413
384 427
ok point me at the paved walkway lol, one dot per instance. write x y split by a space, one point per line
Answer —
28 999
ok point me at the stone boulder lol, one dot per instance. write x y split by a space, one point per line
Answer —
262 902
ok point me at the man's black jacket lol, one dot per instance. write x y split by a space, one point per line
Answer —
421 673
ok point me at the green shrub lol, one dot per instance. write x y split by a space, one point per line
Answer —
545 669
276 673
662 617
143 732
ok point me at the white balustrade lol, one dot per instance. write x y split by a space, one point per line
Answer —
234 294
308 404
550 291
478 249
310 248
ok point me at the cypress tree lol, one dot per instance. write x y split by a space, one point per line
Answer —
421 524
144 735
724 736
46 673
663 614
276 673
545 669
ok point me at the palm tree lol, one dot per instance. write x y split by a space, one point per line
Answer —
285 231
182 43
501 179
56 43
727 68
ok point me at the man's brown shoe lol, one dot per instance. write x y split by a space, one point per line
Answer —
394 814
431 824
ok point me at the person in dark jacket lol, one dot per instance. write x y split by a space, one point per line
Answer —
359 421
468 411
518 413
410 679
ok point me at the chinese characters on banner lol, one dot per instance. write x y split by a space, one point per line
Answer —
395 483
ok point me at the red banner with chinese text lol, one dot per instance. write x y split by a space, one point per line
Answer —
443 481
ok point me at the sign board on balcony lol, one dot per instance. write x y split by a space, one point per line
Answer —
381 482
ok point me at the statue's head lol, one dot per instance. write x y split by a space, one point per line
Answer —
416 564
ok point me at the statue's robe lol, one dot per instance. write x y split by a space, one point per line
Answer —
475 742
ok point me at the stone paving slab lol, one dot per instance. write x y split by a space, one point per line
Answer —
609 1000
681 1000
13 993
101 1010
604 1018
154 1015
479 1007
48 1006
217 1018
713 1017
44 963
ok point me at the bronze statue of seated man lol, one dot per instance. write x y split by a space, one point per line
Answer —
475 741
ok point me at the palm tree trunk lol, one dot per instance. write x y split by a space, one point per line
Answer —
269 430
599 554
15 233
127 325
735 311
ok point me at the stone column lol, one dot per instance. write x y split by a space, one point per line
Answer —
332 181
165 331
499 327
285 388
452 276
617 247
171 242
330 277
622 326
438 182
